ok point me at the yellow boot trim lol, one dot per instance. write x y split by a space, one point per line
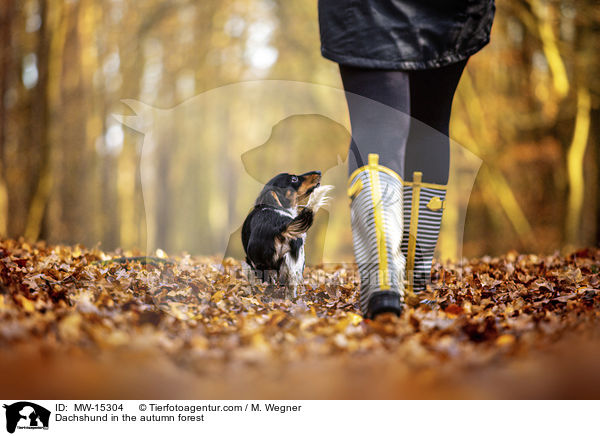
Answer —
395 174
412 235
426 185
354 189
374 165
373 168
436 203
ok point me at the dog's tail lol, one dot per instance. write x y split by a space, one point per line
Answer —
300 225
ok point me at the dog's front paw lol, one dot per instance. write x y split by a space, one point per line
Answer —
319 197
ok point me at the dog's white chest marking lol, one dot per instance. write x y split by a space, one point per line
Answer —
290 213
292 269
283 247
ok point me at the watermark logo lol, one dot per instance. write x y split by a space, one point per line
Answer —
203 162
24 415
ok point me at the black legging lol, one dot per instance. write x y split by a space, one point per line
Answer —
403 144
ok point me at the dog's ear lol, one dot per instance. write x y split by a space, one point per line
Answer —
274 195
291 196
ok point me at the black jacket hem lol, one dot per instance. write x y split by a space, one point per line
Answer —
380 64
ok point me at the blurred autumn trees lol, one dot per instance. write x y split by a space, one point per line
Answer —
530 106
69 172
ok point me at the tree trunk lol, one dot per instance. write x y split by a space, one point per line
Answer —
6 61
41 176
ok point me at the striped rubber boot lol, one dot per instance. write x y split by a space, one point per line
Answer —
376 214
423 207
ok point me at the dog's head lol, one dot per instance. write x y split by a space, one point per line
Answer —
287 190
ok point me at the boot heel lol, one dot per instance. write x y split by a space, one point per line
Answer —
384 302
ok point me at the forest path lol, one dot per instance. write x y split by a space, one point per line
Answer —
516 326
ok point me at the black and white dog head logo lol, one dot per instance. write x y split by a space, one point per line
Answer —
26 415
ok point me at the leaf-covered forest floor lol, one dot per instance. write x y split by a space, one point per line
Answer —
74 323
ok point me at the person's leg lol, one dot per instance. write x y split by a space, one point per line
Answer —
377 128
426 168
377 101
428 145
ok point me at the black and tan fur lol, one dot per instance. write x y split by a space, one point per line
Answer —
273 233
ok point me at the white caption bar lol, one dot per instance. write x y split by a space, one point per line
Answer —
28 417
